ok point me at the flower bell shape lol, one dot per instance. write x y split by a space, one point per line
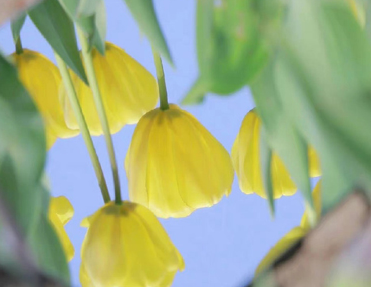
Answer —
174 165
42 80
126 245
60 212
128 91
246 161
293 235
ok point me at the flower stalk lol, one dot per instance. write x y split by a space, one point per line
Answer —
89 68
18 46
71 93
164 104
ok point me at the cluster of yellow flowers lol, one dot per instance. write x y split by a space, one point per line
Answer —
174 166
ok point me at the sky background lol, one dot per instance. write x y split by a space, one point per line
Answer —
221 245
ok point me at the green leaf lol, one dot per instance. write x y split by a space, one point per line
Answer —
324 72
93 26
281 133
48 251
22 146
16 26
230 47
144 13
70 6
54 24
88 7
266 169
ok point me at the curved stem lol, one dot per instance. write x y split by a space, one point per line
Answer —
18 46
88 61
71 93
164 104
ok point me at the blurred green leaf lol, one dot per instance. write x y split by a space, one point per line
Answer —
93 25
282 135
266 168
323 74
54 24
88 7
22 146
94 28
16 26
48 251
144 13
70 6
230 47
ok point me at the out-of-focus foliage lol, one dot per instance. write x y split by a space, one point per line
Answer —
230 47
57 28
90 16
144 13
22 147
22 159
17 25
323 82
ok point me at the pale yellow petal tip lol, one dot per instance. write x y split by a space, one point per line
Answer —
317 204
62 207
85 223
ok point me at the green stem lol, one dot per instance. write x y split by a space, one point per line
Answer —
18 46
88 60
71 93
164 104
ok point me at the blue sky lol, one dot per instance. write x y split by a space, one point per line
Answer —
221 245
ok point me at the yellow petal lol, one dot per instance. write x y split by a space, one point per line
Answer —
317 204
314 163
128 91
62 207
84 278
42 79
126 245
246 161
60 212
50 138
281 246
174 165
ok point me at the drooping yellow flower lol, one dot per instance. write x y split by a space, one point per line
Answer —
292 236
128 91
60 212
126 245
246 161
42 79
174 165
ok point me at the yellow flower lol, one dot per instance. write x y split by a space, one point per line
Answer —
60 212
128 91
174 165
42 79
125 245
292 236
246 161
